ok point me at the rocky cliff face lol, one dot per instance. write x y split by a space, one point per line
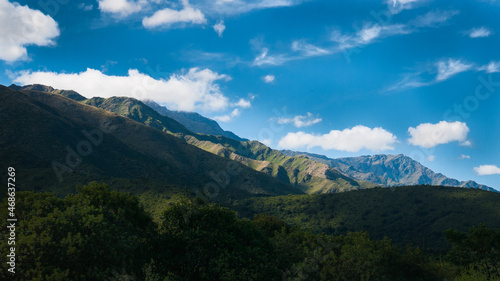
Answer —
390 170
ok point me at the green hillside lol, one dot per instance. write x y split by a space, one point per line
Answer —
416 214
70 144
301 172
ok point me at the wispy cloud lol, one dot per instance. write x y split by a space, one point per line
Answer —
308 50
434 18
396 6
232 7
450 67
442 69
368 34
492 67
300 121
479 32
463 156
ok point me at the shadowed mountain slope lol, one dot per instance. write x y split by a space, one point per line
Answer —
43 135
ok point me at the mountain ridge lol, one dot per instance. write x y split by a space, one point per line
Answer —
125 151
390 170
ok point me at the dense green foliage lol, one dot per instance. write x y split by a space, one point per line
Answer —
415 215
87 236
99 234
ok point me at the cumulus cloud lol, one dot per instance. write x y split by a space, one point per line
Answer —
447 69
219 28
198 89
350 140
430 135
167 17
486 170
21 27
479 32
244 103
121 8
463 156
228 117
300 121
268 78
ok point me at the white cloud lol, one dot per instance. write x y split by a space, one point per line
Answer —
244 103
264 58
226 118
219 28
429 135
166 17
350 140
463 156
368 34
492 67
268 78
21 27
434 18
244 6
486 170
86 7
267 142
308 50
396 6
447 69
479 32
195 90
121 8
431 158
300 121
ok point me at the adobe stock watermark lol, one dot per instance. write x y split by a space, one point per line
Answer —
484 90
85 147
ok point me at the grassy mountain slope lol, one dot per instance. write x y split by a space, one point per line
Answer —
415 214
39 129
194 121
389 170
303 173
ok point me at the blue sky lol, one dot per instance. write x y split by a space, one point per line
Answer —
339 78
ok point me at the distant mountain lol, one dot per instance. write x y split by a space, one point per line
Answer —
56 143
389 170
194 121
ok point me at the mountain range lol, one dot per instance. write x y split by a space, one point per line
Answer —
55 143
389 170
300 172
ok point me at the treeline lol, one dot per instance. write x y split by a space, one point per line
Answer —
99 234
